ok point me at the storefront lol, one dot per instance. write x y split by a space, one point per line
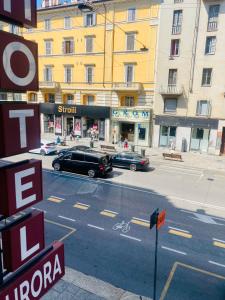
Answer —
186 133
131 124
63 119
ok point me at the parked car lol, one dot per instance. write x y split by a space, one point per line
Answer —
75 148
92 163
130 160
47 147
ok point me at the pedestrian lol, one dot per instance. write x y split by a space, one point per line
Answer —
126 143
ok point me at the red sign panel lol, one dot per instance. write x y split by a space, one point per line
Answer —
18 63
21 12
27 237
37 280
20 185
19 128
161 219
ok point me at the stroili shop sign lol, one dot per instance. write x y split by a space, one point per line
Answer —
130 114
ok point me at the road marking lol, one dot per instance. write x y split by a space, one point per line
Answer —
175 228
108 213
218 240
72 230
96 227
216 263
55 199
180 233
34 208
219 244
171 275
81 206
173 250
141 222
65 218
130 237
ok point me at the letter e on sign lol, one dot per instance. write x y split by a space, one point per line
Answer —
19 128
161 219
18 63
23 241
20 185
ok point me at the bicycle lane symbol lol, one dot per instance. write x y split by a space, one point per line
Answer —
123 226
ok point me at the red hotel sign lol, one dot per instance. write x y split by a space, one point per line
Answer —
21 12
18 63
27 237
19 128
38 279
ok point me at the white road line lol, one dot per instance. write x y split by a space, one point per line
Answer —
173 250
221 241
175 228
130 237
65 218
56 197
110 211
82 204
143 220
44 211
215 263
96 227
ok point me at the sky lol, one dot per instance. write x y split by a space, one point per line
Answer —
39 2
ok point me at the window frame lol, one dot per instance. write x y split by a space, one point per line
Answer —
89 67
128 35
171 82
46 48
175 47
67 25
126 73
49 68
93 22
177 21
169 111
89 38
66 70
205 77
131 12
47 23
199 107
68 46
207 45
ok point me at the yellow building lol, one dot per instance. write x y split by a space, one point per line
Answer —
97 68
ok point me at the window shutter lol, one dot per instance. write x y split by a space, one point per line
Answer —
122 101
198 108
63 47
72 46
94 19
209 108
85 20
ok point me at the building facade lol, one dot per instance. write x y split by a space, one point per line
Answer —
189 102
97 68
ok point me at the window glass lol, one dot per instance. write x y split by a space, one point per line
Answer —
78 156
92 159
131 14
170 105
67 156
89 44
206 76
141 133
175 47
210 46
130 41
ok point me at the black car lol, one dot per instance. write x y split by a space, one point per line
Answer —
75 148
91 163
130 160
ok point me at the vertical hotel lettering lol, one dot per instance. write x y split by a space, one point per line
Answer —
42 265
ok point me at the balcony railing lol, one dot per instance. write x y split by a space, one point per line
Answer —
212 26
131 86
176 29
171 90
48 84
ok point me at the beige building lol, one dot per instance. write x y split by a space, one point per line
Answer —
189 102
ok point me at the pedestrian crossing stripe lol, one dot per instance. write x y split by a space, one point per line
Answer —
81 206
55 199
108 213
140 222
219 244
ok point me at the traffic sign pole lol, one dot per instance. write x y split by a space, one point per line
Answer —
156 259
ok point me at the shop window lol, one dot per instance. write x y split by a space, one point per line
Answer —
141 132
48 123
167 136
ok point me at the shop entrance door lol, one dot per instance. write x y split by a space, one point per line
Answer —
167 136
69 125
127 131
222 149
200 139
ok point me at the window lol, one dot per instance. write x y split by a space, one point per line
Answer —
213 17
92 159
67 22
32 97
68 74
129 101
48 73
14 29
129 73
89 44
68 46
89 74
210 45
177 21
206 76
70 99
203 108
175 47
3 96
170 105
131 14
47 24
172 78
50 98
48 47
78 156
90 20
130 41
90 100
17 97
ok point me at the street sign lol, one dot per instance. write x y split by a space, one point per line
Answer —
27 238
20 12
153 218
18 63
161 219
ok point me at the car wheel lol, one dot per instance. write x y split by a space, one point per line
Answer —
43 152
91 173
57 167
133 167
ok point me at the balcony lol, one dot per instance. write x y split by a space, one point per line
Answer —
176 29
212 26
171 90
48 85
127 86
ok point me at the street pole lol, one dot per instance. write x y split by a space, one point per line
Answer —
155 269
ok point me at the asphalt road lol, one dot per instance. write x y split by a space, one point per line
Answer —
105 228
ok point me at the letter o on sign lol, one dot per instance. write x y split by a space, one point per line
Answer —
7 54
36 293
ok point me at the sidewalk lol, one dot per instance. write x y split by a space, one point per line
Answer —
193 160
77 286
